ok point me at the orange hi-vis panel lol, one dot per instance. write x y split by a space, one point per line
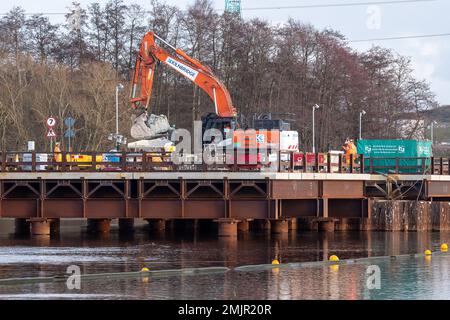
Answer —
256 139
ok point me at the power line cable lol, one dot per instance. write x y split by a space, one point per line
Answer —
402 37
330 5
325 6
306 6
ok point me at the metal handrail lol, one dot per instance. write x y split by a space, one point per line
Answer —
32 161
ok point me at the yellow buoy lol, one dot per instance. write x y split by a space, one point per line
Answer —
428 252
444 247
334 258
334 267
275 261
145 269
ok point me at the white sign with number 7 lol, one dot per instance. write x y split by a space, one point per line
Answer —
51 122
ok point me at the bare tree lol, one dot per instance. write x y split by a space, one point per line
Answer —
42 37
285 69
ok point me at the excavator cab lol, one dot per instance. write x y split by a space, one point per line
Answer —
223 124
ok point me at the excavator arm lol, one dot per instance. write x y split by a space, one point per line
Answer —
150 53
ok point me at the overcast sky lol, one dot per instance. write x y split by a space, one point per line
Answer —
430 55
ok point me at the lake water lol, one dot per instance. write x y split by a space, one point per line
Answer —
400 278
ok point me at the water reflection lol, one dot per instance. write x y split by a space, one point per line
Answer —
24 256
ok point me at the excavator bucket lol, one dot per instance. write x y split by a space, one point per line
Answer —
149 126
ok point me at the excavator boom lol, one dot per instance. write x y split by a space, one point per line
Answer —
150 53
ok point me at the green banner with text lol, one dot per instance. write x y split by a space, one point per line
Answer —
384 152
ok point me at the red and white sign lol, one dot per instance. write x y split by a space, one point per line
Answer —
51 133
51 122
289 141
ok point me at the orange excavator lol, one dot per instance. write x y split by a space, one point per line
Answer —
224 118
147 126
150 53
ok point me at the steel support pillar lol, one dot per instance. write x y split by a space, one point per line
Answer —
40 226
325 207
326 224
366 222
293 224
280 226
243 226
227 227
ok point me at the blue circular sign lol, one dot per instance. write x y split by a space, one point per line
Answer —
69 121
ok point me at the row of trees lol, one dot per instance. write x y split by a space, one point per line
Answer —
73 69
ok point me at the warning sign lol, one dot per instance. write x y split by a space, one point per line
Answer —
51 133
51 122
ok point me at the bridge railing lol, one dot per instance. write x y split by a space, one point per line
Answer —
160 161
395 165
440 166
321 163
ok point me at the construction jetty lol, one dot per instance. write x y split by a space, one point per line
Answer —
312 191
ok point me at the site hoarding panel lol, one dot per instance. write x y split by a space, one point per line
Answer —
384 152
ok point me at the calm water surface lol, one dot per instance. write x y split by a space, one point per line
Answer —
402 278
